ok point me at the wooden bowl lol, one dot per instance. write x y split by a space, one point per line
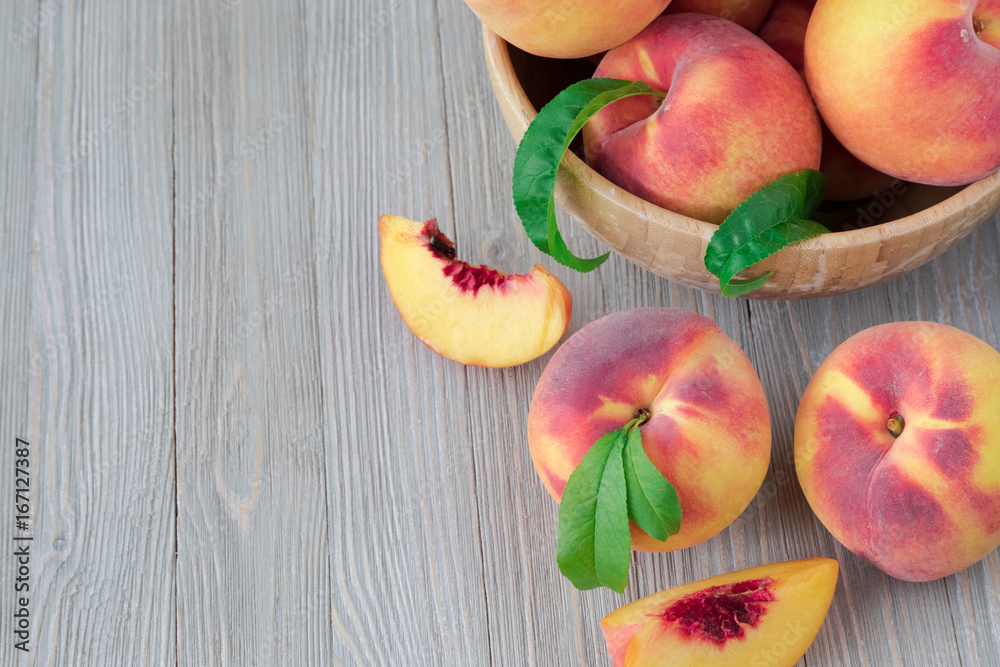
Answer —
915 223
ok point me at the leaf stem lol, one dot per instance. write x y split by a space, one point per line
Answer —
642 415
775 216
895 425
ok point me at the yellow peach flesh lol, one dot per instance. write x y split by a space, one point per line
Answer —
470 314
766 615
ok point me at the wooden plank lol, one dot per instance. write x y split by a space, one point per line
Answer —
102 394
406 557
253 564
19 138
194 186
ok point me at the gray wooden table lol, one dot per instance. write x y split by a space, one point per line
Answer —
239 455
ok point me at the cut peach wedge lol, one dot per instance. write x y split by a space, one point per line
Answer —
767 615
470 314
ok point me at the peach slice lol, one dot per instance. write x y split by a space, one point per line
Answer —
470 314
766 615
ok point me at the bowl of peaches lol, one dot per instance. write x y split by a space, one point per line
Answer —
896 103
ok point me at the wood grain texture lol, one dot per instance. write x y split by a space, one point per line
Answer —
190 278
19 138
406 558
253 584
102 338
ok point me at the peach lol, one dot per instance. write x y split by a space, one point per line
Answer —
736 117
566 28
784 30
897 448
910 87
766 615
847 177
709 433
747 13
470 314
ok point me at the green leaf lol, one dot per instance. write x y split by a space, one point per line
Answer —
595 546
770 219
741 287
541 151
652 499
612 537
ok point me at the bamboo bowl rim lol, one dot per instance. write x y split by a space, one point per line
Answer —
519 112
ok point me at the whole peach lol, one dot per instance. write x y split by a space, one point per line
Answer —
709 433
784 30
910 87
747 13
566 28
736 116
847 177
897 448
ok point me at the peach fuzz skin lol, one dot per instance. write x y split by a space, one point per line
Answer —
566 28
709 433
847 177
747 13
925 504
736 117
910 87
